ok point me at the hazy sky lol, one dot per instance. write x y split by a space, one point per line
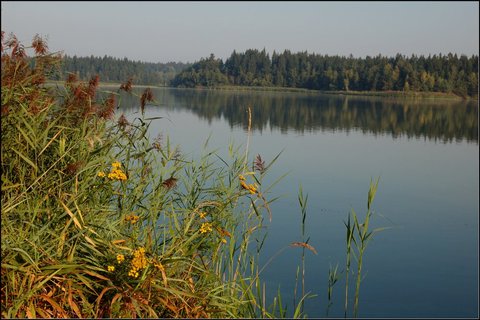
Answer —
188 31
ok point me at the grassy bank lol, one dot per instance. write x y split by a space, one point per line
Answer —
402 94
101 84
385 94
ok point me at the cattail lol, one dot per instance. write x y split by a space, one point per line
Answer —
92 86
127 86
108 108
259 164
122 122
146 96
39 45
12 41
18 51
170 182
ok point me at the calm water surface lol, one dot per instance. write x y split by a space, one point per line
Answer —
425 153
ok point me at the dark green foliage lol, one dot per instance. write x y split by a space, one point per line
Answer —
437 73
111 69
205 73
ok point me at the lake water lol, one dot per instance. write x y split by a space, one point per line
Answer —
425 153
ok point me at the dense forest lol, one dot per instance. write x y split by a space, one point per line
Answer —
111 69
438 73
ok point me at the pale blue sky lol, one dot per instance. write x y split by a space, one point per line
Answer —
188 31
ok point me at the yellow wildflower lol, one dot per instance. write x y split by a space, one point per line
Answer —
139 262
243 184
252 188
111 268
242 178
205 227
132 218
101 174
202 214
224 240
120 258
133 273
117 174
116 164
121 175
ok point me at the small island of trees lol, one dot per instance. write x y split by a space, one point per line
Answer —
438 73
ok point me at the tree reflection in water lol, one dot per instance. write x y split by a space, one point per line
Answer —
441 120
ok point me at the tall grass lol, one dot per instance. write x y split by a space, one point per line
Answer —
98 221
359 235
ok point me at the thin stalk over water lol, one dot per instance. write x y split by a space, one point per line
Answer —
350 233
332 280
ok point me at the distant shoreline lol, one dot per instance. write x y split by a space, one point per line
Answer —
386 94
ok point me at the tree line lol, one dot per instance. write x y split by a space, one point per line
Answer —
111 69
438 73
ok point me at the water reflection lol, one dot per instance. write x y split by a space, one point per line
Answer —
433 209
439 120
